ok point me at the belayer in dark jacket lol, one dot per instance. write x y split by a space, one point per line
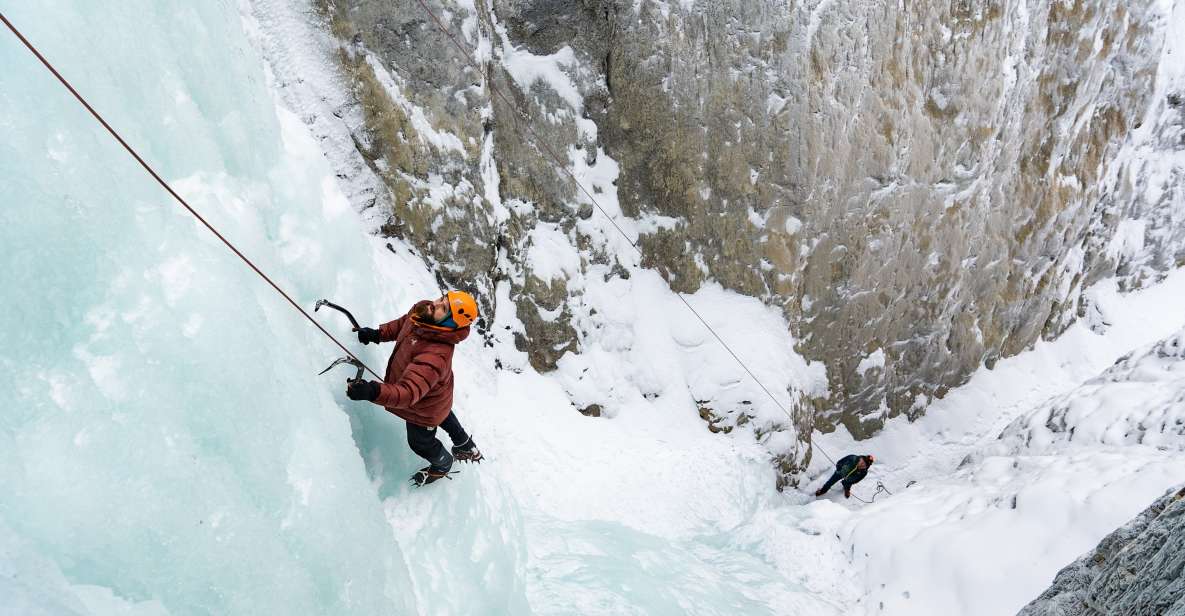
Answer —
848 471
418 386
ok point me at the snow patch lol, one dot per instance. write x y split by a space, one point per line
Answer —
425 130
1128 240
527 68
873 361
550 254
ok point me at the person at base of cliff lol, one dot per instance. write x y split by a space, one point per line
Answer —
418 386
849 471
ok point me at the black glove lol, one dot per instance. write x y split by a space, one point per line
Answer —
847 491
362 390
367 335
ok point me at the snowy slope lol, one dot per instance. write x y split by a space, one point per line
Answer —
167 448
1134 570
1138 401
1002 502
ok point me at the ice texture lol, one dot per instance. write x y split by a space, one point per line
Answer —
166 446
163 436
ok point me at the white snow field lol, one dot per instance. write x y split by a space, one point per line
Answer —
166 446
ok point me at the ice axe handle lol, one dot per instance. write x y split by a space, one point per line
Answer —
353 321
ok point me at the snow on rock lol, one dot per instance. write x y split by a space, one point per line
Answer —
527 69
874 360
639 343
419 120
1146 181
553 255
1140 400
166 447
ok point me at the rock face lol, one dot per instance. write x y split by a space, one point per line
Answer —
932 184
1137 570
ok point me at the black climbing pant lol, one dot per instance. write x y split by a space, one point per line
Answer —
836 476
847 471
423 441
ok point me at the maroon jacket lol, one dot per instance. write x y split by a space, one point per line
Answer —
419 383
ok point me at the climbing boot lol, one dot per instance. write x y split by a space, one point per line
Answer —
431 473
467 451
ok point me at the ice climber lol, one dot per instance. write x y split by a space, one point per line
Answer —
418 386
848 471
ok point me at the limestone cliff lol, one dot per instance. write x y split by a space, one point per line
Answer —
931 184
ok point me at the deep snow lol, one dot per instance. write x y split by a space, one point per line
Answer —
166 445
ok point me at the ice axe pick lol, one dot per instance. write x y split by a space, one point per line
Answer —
346 360
325 302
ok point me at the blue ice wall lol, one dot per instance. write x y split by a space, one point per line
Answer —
164 444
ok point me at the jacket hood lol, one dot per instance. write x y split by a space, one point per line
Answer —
436 333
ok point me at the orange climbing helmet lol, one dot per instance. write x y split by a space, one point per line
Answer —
463 307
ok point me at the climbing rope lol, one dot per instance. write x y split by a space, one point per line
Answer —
467 55
880 487
172 192
543 144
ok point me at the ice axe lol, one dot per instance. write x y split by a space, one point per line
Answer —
346 360
353 321
349 359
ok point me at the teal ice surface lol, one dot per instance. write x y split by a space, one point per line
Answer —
596 567
161 436
164 445
470 536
